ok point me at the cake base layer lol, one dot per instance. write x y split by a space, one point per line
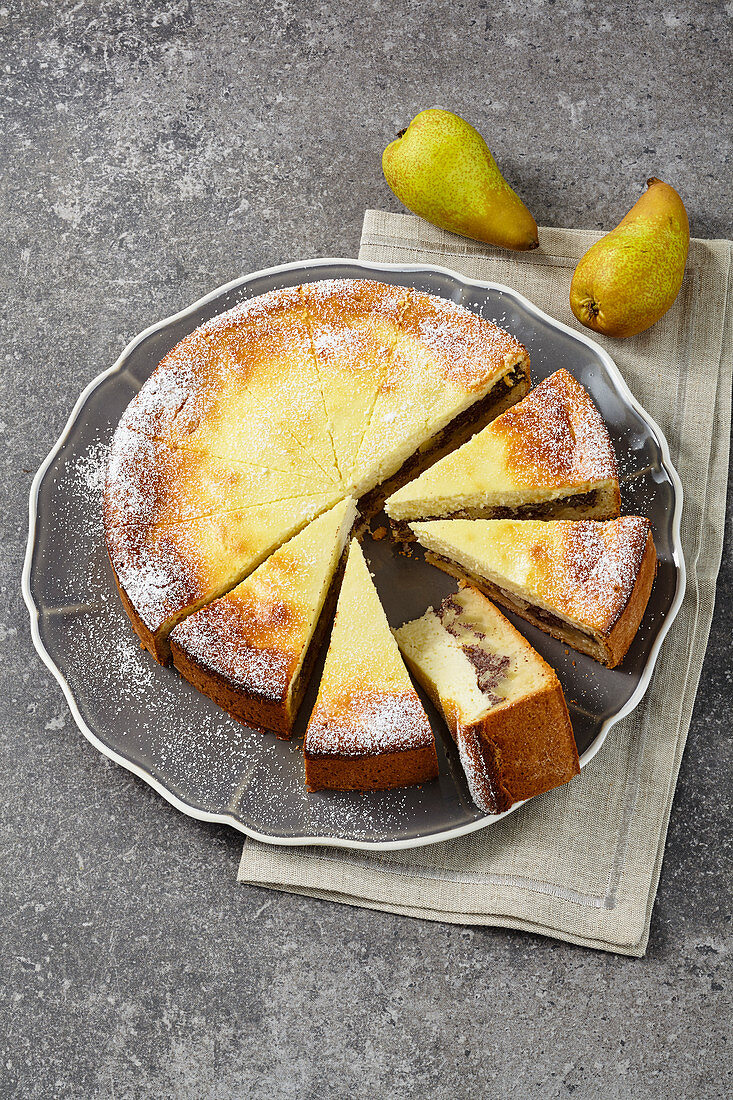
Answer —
406 768
590 505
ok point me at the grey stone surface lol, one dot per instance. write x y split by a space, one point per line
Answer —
151 151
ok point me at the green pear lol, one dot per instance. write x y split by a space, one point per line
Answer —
441 169
629 279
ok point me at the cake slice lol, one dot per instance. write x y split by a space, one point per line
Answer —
207 396
549 456
266 343
149 482
368 730
354 327
585 582
502 703
168 571
252 650
450 372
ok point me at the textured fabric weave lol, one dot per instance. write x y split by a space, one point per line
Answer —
580 863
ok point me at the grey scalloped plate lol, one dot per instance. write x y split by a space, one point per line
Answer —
149 720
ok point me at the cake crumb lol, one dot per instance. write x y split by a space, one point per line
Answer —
379 533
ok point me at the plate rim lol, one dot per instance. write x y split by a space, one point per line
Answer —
371 266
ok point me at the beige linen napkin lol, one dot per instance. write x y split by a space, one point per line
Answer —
581 863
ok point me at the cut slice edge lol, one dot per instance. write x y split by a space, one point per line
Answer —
501 701
451 372
252 650
354 328
149 482
368 729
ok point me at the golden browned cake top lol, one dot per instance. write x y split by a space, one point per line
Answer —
556 435
345 303
257 635
152 482
241 418
170 569
464 348
259 363
593 576
247 640
584 569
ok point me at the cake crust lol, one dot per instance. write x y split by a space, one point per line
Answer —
506 761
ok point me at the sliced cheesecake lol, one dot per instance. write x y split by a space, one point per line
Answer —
243 388
549 456
252 650
354 326
450 372
165 572
585 582
368 730
501 701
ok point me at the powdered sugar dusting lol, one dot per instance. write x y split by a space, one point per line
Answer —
88 473
467 349
89 469
556 436
224 636
478 776
367 724
590 575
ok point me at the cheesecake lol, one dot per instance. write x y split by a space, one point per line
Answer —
585 582
354 325
501 701
547 457
252 650
165 572
242 387
368 729
150 483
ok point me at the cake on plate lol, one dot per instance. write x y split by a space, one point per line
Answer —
368 730
252 651
549 456
501 701
585 582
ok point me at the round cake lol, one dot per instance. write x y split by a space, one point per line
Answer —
270 414
240 472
